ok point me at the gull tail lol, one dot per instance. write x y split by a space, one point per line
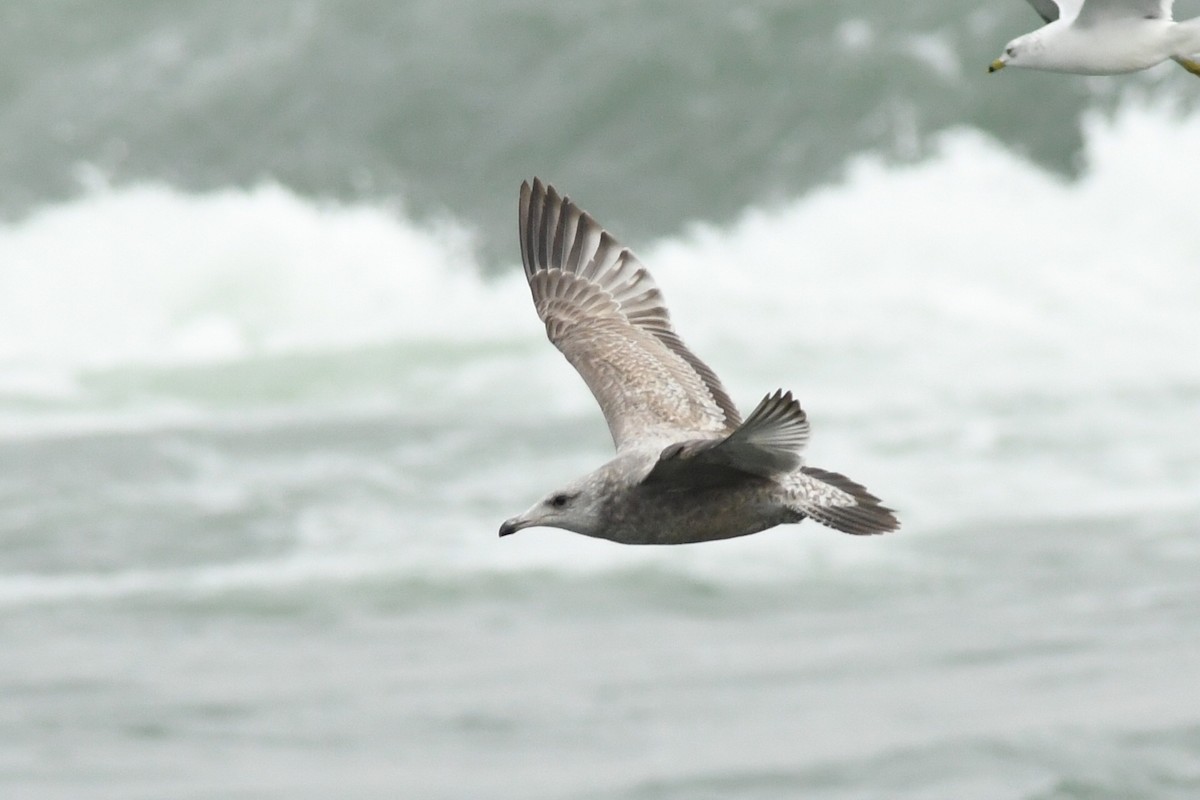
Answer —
1187 45
1192 65
836 501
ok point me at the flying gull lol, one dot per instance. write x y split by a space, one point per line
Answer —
1104 37
688 468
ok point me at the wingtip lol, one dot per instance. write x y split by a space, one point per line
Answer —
535 187
777 405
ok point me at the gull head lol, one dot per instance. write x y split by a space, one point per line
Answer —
1020 52
575 507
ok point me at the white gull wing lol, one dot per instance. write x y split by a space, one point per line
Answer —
1093 11
605 313
1049 10
1089 11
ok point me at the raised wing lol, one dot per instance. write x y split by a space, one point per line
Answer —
1047 9
1096 10
605 313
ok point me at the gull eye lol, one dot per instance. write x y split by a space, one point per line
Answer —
1010 52
559 500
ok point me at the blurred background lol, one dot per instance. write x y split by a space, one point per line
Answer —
270 379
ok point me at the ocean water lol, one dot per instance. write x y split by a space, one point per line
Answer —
270 379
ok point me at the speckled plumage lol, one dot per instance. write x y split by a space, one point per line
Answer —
687 468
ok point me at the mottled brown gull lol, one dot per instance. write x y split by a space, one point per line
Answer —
1104 37
687 468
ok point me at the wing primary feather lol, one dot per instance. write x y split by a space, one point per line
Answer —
556 249
523 227
548 223
575 237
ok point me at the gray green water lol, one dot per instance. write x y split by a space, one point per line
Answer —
270 380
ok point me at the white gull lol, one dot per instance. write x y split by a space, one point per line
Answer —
1104 37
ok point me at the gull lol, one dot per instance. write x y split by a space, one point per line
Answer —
1104 37
687 468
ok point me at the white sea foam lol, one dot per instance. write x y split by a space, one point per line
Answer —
972 271
150 274
973 258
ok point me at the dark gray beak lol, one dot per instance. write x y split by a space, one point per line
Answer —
510 526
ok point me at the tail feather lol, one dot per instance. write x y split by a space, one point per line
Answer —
1192 65
1187 44
834 500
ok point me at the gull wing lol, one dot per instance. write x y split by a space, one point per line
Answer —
768 443
1096 10
1047 9
605 313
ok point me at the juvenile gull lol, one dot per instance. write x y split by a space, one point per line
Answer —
1104 37
687 468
